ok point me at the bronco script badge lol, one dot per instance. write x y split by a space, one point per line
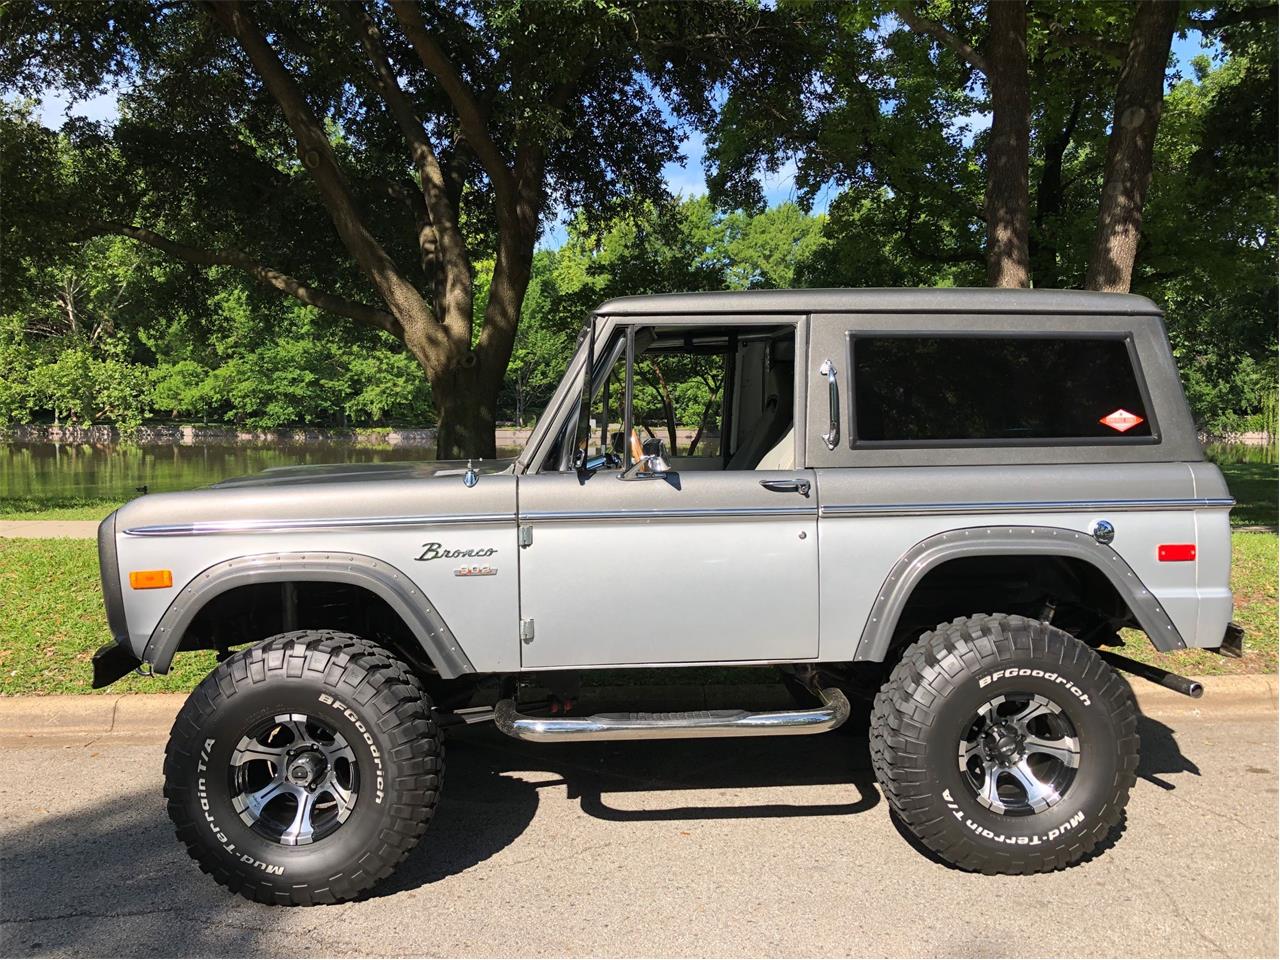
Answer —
437 551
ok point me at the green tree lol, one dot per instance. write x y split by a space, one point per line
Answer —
381 150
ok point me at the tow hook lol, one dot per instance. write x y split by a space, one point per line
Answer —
1179 684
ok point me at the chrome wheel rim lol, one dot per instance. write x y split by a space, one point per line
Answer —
1019 754
294 779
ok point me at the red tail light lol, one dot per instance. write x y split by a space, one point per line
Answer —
1171 552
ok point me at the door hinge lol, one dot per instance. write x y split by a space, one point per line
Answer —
525 535
526 631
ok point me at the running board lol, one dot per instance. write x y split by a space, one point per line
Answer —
833 711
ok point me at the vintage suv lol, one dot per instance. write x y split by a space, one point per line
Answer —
950 500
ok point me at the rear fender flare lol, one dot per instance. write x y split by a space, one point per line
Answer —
929 553
376 576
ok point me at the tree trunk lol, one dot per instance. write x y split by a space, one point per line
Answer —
1049 197
1007 203
466 416
1139 97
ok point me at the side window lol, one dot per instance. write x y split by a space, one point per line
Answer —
604 425
679 398
943 390
718 397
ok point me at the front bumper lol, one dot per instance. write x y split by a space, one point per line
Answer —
115 659
112 662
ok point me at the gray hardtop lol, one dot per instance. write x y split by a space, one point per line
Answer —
882 300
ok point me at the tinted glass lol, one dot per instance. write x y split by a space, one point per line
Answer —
1003 389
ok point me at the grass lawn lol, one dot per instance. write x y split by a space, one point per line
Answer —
53 621
1253 581
55 508
1255 488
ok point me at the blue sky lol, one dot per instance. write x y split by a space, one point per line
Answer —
685 178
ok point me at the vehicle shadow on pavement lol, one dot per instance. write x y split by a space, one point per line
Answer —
1160 753
113 880
493 782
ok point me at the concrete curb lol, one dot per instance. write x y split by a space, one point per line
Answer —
148 716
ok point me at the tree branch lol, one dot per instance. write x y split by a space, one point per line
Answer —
440 239
962 48
1230 18
318 158
1114 49
388 87
470 115
360 312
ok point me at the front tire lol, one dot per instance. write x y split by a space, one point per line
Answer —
304 769
1005 745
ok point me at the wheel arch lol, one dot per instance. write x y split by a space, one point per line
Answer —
405 600
931 553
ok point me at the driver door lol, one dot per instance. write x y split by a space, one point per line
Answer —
699 566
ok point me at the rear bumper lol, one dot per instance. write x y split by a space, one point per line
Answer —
1232 641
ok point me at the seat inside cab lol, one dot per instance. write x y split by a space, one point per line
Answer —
746 378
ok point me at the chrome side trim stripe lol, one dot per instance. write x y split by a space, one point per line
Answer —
692 513
208 527
201 528
1018 506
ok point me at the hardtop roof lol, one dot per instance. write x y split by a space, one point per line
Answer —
882 300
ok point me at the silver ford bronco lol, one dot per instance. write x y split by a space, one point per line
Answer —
947 502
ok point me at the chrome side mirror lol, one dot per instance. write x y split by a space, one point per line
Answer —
652 464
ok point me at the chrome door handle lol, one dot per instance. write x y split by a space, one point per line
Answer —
801 487
832 436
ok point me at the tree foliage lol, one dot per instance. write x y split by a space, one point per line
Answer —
367 251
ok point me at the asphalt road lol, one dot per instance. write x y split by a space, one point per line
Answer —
720 848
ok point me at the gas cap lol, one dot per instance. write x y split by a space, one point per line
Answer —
1103 531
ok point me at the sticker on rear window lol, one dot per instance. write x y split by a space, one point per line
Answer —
1121 420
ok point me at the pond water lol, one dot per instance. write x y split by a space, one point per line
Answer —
111 471
1241 453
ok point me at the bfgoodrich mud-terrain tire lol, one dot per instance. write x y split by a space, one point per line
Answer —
304 769
1005 745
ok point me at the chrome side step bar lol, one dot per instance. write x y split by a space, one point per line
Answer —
831 713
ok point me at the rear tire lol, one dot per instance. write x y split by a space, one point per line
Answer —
1005 745
304 769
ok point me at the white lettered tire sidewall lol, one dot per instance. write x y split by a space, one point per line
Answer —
359 691
231 840
1085 796
932 698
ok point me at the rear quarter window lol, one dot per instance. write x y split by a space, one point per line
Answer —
927 389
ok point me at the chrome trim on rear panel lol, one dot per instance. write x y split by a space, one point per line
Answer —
1018 506
319 523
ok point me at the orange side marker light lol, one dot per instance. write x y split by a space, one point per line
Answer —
150 579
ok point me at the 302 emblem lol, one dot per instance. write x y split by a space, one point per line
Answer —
475 571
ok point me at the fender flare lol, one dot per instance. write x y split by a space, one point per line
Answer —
376 576
929 553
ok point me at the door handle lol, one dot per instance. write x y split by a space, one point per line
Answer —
832 436
801 487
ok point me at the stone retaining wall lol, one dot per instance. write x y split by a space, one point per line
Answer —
507 437
187 435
